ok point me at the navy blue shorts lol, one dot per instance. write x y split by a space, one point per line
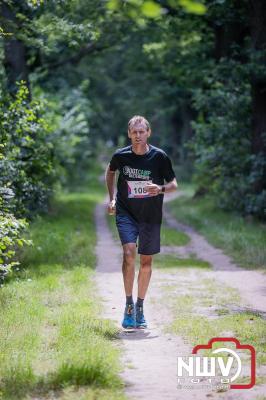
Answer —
149 234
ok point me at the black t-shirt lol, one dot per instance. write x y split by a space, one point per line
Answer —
134 172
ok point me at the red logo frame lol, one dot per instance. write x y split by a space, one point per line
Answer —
238 346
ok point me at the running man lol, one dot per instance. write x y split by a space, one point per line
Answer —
143 168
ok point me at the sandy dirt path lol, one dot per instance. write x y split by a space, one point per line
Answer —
149 357
251 284
148 354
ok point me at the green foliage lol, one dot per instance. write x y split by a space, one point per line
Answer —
73 143
11 230
139 9
222 143
193 7
10 238
28 165
27 172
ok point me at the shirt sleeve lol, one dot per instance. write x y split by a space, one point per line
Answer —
114 163
168 172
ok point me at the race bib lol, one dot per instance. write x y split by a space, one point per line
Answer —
137 189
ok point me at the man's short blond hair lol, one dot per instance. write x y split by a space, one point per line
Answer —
136 120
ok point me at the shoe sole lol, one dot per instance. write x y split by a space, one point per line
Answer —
129 330
128 326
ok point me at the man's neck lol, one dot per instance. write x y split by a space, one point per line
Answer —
140 149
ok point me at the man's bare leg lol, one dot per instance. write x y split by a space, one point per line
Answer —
144 275
128 267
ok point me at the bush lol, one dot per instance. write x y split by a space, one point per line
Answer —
27 171
27 166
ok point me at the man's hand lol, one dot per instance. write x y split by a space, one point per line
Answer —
153 189
111 208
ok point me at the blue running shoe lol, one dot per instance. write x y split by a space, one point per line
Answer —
129 320
140 320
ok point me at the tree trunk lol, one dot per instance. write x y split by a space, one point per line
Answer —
14 50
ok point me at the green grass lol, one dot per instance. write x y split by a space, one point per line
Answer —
247 328
172 261
240 238
173 237
53 341
204 309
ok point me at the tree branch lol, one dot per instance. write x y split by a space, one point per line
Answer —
74 59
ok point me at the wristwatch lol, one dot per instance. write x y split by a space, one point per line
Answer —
163 189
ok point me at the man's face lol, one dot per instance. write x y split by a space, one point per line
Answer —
139 133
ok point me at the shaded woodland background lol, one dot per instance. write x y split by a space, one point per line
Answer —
73 73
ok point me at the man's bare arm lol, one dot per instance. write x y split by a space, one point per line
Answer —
110 183
171 186
154 189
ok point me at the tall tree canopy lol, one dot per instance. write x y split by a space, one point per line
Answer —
195 69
